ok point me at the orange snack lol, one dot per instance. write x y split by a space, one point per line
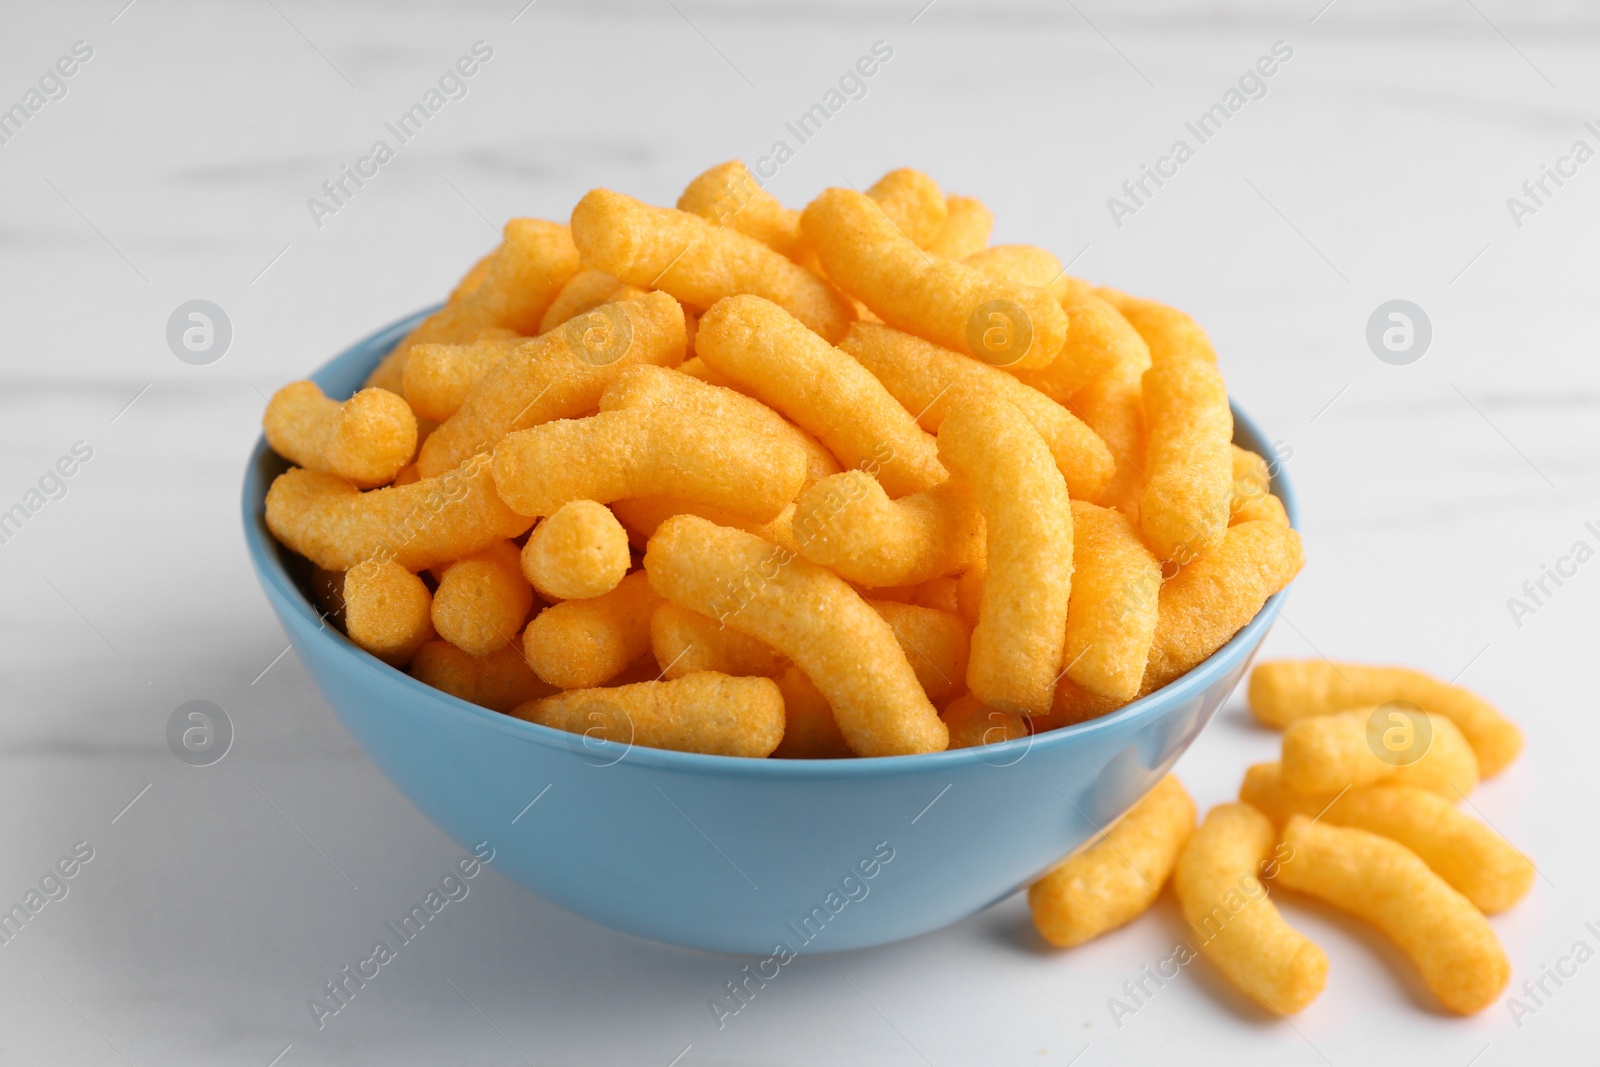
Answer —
808 614
643 669
1027 264
386 610
1327 753
579 644
927 488
1111 617
1099 339
1264 789
1218 881
558 376
706 712
654 387
931 382
328 587
1021 630
524 274
580 551
728 195
474 276
935 643
1113 407
365 440
966 229
699 369
1168 331
1389 886
1213 598
789 368
482 600
499 681
1252 478
898 594
940 593
810 731
1252 499
973 724
642 515
1184 508
949 303
1264 509
1198 612
686 641
697 262
1285 690
438 378
432 521
1073 704
1474 859
914 203
969 589
587 290
631 452
848 524
1118 878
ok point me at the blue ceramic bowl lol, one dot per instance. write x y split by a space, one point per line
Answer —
740 855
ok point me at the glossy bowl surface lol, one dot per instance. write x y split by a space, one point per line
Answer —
740 855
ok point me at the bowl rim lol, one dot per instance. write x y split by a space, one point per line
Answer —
282 589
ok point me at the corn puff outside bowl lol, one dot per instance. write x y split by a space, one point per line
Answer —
750 856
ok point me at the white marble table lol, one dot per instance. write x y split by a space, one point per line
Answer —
1376 166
